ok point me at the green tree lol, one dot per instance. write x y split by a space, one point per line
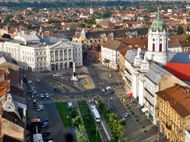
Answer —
188 38
188 29
81 137
54 21
180 30
8 19
77 121
107 14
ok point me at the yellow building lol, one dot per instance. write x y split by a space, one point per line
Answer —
173 113
122 68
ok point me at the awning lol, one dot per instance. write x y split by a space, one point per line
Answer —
144 109
130 94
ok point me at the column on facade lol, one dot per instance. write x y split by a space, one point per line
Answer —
67 54
54 55
58 54
141 91
72 52
63 54
134 85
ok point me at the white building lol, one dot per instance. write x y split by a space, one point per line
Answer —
36 54
110 53
144 74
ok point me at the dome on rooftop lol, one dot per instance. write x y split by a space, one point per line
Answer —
158 24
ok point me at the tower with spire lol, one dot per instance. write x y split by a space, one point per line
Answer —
158 41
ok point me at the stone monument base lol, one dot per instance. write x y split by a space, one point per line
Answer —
74 78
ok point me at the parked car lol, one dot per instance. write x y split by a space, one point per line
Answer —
45 125
34 101
126 115
40 108
37 80
29 81
103 90
56 90
47 95
42 95
44 120
56 75
108 87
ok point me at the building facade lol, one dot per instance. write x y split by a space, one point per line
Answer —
173 113
38 55
144 74
110 53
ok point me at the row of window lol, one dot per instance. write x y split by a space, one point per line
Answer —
27 53
41 53
160 47
41 59
25 58
40 64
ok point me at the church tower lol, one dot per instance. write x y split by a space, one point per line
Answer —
83 35
158 41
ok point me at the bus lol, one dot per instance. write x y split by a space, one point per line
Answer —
95 113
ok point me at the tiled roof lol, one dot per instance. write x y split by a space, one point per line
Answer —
12 117
4 88
174 43
123 51
180 70
117 33
136 42
114 44
179 99
7 138
155 73
1 72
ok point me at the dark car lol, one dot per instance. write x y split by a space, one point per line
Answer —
44 120
56 90
45 125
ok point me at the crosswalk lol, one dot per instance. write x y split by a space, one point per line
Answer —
49 102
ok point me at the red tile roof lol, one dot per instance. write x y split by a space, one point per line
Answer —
123 51
180 70
179 99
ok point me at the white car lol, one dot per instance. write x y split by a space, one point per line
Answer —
47 95
103 90
126 115
29 81
42 95
57 75
41 106
108 87
37 80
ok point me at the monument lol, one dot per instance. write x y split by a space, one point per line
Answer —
74 78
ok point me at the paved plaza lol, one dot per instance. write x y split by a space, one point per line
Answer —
138 127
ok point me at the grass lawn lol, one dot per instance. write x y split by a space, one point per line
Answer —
89 122
64 113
